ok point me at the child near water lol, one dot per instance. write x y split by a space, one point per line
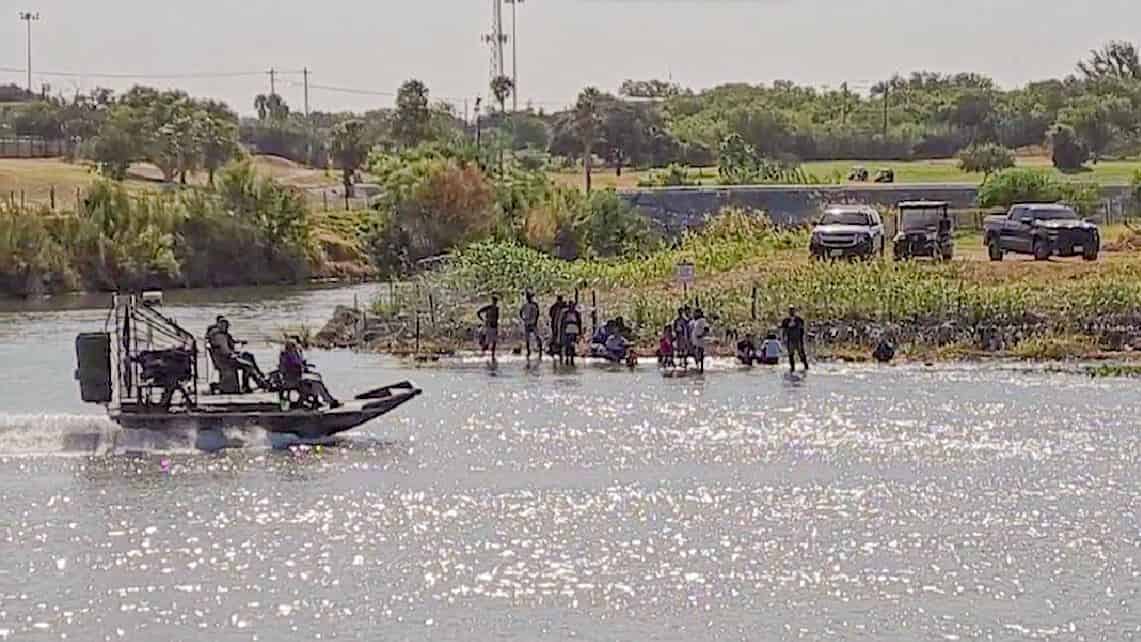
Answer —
666 348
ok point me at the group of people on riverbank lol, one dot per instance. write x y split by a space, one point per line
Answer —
566 327
686 337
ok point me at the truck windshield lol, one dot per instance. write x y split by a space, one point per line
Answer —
845 218
1052 214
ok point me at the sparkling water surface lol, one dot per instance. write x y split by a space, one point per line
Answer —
954 502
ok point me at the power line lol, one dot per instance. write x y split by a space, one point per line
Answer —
143 76
277 73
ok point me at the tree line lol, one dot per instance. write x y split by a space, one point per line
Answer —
1090 114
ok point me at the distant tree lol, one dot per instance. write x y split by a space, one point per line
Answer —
1116 60
1068 152
218 132
501 88
411 123
350 150
985 159
272 107
649 89
586 124
1098 121
114 149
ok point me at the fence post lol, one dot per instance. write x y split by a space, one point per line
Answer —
432 309
51 194
23 199
593 311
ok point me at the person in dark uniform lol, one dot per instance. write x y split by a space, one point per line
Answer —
225 350
570 331
885 351
556 312
793 328
489 315
529 315
943 237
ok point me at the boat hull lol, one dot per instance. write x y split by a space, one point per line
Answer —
266 416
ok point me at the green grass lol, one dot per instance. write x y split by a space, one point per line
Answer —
1114 172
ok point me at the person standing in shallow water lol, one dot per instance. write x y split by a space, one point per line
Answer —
556 313
489 315
793 328
681 336
529 315
698 332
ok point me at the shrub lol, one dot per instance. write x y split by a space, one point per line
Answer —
985 159
123 241
673 175
32 261
610 226
1068 151
1033 186
1020 186
434 205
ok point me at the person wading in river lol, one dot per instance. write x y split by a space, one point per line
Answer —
556 313
489 315
570 331
793 328
529 315
681 336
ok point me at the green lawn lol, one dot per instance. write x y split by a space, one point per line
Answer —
946 170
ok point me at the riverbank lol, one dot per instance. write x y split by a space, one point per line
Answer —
747 276
247 230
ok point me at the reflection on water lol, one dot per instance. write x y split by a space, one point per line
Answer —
906 503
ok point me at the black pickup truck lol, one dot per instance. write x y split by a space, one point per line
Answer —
1041 230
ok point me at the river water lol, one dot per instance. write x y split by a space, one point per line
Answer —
899 503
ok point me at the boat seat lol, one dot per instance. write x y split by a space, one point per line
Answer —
227 383
294 393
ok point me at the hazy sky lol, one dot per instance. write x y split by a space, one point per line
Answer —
563 44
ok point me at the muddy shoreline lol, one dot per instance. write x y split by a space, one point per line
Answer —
1032 337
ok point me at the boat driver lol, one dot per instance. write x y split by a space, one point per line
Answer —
225 351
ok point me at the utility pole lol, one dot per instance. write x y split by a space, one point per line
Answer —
478 132
496 39
272 82
305 73
844 104
514 58
29 18
886 93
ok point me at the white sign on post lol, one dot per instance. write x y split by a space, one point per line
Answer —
686 273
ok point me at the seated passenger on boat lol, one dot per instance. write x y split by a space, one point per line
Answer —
224 353
297 375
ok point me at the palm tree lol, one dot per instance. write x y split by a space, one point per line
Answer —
587 122
502 87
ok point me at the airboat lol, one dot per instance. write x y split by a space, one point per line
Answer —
144 368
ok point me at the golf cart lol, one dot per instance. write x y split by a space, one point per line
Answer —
917 231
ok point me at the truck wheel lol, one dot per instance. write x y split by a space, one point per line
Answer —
1090 254
994 251
1042 250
